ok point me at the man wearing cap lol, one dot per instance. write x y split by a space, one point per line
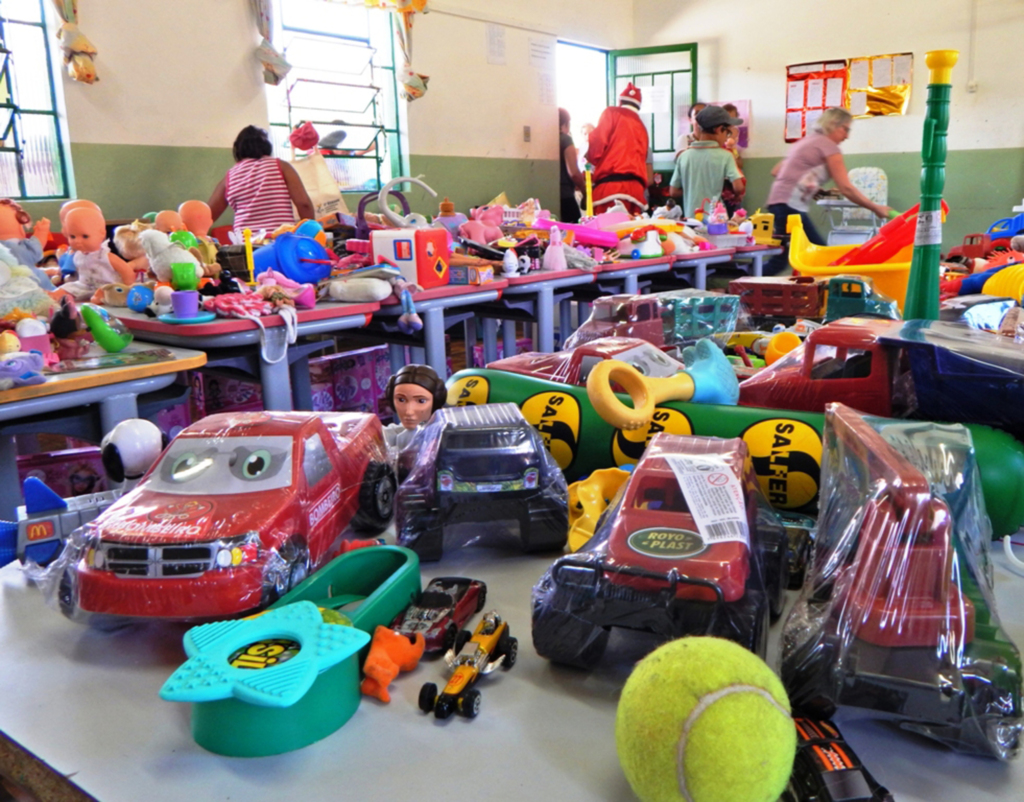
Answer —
704 167
618 150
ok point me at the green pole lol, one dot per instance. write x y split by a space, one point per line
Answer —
922 300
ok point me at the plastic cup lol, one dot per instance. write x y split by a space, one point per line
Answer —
185 303
183 276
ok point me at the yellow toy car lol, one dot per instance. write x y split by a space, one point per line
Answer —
491 646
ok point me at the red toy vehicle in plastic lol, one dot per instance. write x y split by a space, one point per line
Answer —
573 367
441 611
239 508
651 566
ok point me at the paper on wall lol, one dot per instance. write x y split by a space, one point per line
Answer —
834 92
812 117
902 69
542 53
795 95
815 92
881 72
655 100
495 43
858 103
859 77
794 120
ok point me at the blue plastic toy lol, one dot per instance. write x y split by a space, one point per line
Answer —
301 259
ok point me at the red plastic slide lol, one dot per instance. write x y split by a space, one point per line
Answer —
891 238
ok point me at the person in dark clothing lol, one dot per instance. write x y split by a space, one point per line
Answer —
570 177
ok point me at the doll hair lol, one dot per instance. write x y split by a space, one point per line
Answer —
126 239
422 375
19 214
251 143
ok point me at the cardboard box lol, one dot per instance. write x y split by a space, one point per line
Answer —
221 391
172 420
461 274
73 472
352 381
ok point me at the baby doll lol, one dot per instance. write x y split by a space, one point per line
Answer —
198 218
28 250
95 265
168 221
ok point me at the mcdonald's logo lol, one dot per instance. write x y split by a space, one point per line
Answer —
39 530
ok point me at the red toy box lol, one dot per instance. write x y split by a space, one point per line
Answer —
421 253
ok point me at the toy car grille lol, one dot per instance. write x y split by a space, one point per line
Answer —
157 561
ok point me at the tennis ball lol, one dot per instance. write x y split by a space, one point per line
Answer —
704 720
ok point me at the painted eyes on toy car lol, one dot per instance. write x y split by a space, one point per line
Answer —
253 464
188 465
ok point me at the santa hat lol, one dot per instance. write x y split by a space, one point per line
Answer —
630 96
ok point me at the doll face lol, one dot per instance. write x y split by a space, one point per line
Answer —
10 228
168 221
85 230
66 209
196 216
413 405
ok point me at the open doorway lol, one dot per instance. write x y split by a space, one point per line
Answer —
582 88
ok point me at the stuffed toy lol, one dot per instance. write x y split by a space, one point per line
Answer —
23 368
162 253
20 291
126 240
390 653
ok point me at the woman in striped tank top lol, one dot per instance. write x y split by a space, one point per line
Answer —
260 188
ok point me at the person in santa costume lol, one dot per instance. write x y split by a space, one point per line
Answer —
619 152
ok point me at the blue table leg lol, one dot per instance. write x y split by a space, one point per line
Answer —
469 327
758 267
508 337
700 275
433 338
545 320
630 284
564 320
117 408
11 497
396 353
277 385
490 335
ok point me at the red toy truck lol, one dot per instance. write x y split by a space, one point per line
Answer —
240 508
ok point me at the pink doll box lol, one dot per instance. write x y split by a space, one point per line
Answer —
73 472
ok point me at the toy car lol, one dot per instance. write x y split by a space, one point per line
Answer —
896 615
491 646
653 566
240 508
573 367
441 611
827 770
480 464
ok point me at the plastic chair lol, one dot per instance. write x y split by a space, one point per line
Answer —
858 224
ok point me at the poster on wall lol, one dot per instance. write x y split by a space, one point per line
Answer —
810 89
743 112
879 86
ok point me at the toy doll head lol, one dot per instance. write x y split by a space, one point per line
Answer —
168 221
13 220
76 204
196 216
85 229
415 393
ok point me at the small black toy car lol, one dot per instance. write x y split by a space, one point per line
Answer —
480 464
827 770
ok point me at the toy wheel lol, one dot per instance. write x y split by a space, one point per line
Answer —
295 554
66 593
376 498
564 638
428 696
547 529
511 651
420 530
444 707
481 600
450 636
462 639
469 704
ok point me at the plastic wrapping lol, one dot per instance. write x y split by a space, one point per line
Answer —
709 559
897 613
678 317
977 311
471 474
787 298
239 508
573 367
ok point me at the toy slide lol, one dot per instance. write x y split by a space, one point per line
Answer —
891 238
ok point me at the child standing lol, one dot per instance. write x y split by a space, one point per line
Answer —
704 167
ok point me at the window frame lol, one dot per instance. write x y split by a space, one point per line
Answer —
57 112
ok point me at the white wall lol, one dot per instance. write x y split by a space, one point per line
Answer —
474 108
743 52
171 73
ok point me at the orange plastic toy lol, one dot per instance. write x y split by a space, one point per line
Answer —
168 221
197 217
390 653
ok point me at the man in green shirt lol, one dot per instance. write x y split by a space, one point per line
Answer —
704 167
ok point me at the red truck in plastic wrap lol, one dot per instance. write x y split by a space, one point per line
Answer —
239 508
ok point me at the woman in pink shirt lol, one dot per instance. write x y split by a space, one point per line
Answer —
810 163
260 188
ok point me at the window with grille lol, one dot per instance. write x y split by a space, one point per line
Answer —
33 163
342 81
667 79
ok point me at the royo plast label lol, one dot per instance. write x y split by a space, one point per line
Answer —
668 544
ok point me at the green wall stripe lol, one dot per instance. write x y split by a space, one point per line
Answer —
982 186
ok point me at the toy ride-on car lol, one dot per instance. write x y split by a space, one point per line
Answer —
441 611
491 646
240 508
685 548
482 465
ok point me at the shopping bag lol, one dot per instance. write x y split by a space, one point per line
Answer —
320 184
